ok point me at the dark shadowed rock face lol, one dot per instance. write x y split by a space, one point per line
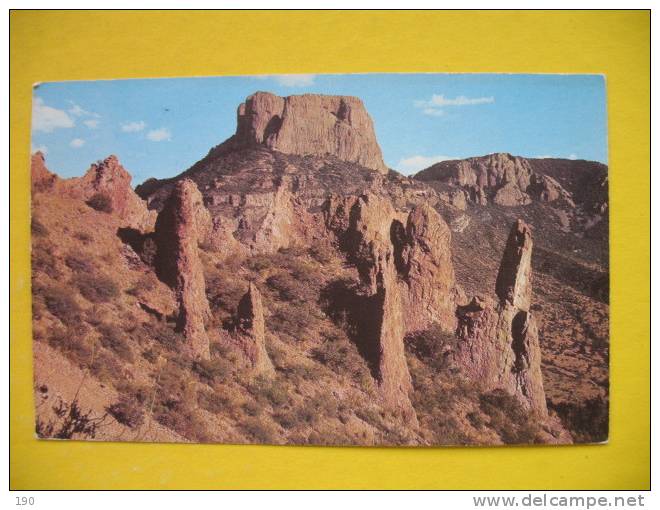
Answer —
178 264
310 124
499 343
251 330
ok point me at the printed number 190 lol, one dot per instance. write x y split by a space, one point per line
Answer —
23 501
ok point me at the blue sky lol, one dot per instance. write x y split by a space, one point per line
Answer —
160 127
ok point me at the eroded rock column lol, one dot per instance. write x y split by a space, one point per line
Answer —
178 264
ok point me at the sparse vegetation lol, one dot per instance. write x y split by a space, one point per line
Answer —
127 411
61 304
100 202
96 288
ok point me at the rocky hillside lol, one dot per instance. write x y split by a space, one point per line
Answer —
289 289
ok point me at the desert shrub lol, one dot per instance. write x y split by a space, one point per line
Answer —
96 288
262 432
70 422
79 262
286 419
319 406
431 346
322 253
73 346
252 408
269 391
259 263
61 304
508 418
107 368
44 259
150 354
211 370
112 338
145 283
294 320
162 333
100 202
134 391
185 421
83 236
127 411
587 420
214 402
37 228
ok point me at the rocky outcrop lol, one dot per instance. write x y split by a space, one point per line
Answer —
42 178
363 225
498 342
310 124
251 330
177 263
107 180
498 178
423 257
513 285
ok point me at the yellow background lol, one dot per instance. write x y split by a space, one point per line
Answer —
52 46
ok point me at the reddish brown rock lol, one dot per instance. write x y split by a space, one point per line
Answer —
499 344
178 264
425 264
499 178
106 179
42 178
251 330
513 285
310 124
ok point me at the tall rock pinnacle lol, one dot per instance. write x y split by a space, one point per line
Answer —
252 329
178 264
499 342
513 284
310 124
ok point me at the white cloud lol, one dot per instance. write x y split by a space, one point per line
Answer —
91 123
433 106
159 135
572 156
77 143
40 148
544 156
290 80
434 112
416 163
78 110
133 127
47 119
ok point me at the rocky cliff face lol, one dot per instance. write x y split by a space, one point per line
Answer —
500 178
177 263
310 124
499 342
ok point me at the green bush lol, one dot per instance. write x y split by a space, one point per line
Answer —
96 288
